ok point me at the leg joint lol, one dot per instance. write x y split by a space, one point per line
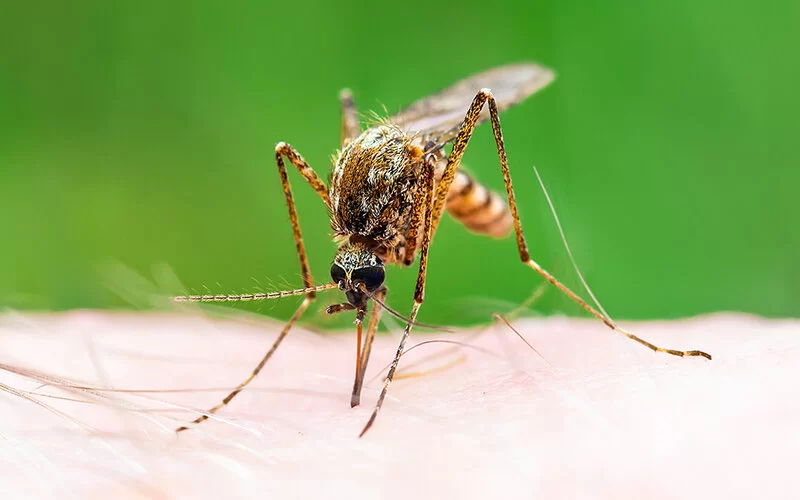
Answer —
346 96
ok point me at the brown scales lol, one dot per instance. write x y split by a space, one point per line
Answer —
375 180
374 184
388 189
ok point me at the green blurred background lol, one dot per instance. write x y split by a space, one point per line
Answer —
142 134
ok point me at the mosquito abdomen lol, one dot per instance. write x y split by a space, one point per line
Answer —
482 211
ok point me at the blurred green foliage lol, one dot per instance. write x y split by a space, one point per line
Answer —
142 133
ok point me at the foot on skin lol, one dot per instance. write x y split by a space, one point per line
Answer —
602 417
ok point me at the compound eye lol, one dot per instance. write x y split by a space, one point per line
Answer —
337 273
372 277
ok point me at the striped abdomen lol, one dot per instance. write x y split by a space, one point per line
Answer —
480 210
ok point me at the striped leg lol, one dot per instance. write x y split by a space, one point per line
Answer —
453 161
419 292
283 149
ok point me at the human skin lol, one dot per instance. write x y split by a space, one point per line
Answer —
596 416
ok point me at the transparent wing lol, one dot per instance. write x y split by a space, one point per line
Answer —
437 118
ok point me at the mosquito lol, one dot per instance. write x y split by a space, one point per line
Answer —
389 186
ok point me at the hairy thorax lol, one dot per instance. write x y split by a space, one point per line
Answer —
373 185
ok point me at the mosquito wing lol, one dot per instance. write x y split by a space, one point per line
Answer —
438 118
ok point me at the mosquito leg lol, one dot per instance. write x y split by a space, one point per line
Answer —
283 149
421 208
309 174
337 308
300 310
350 125
361 368
453 161
419 291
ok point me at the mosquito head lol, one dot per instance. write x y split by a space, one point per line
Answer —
356 265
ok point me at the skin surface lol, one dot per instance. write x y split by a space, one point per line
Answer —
597 416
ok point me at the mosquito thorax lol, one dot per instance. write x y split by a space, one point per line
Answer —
373 186
356 265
